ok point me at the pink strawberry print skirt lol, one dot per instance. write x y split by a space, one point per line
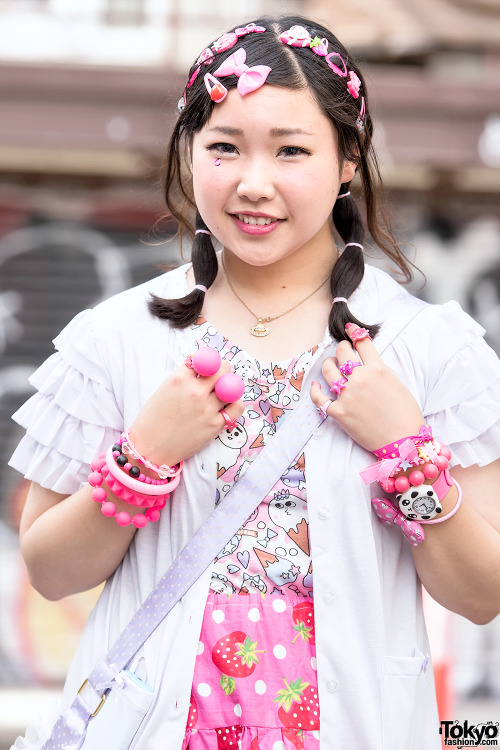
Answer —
255 680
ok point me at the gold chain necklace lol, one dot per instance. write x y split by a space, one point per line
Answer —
260 329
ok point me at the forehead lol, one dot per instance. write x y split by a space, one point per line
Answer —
274 109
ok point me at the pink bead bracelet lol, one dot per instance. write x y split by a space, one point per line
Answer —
108 508
142 488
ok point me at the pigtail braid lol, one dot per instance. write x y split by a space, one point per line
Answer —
349 269
184 311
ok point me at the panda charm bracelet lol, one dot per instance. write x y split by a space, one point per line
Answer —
416 502
423 504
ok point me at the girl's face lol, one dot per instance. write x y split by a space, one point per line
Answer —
266 174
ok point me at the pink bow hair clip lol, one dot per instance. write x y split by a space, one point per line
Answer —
250 78
388 514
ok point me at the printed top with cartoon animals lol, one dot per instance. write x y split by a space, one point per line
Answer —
270 553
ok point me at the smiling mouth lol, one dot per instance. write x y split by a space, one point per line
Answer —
260 221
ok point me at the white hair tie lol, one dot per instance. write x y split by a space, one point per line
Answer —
339 299
355 244
202 231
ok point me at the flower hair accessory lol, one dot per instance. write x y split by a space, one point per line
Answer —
250 78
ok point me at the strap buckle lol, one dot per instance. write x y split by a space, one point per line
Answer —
101 702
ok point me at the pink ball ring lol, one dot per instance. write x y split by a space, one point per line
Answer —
229 388
322 409
206 361
230 423
347 368
338 385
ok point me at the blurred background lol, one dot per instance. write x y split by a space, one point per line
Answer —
88 96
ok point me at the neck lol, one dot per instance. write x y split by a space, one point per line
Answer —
268 289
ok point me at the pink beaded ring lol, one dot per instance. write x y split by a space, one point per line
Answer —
229 388
204 362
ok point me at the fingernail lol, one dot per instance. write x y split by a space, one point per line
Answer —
350 325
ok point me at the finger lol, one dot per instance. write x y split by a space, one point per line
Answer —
363 345
233 412
333 377
347 358
209 381
320 399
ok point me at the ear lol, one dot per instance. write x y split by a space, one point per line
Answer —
348 171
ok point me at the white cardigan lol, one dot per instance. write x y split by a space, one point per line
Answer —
375 685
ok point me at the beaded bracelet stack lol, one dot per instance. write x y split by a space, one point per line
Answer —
130 484
416 502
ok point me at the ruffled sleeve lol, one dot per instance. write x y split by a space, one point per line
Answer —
462 398
73 416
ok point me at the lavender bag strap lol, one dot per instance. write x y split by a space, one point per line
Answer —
197 555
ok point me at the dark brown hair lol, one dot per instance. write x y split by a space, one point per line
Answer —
293 68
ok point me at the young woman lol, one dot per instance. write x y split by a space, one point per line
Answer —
274 124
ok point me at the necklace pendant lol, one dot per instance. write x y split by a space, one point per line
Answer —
260 329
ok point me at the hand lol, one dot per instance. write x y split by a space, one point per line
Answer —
375 408
181 417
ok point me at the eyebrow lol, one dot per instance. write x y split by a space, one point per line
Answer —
274 132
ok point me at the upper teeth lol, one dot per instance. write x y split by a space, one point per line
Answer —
260 220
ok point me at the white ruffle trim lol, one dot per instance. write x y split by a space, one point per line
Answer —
468 373
38 732
73 417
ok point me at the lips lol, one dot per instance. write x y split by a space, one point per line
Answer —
256 224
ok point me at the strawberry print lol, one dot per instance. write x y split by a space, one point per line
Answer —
255 744
303 617
228 738
193 713
236 656
299 705
295 736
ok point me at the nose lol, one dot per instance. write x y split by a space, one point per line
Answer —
257 181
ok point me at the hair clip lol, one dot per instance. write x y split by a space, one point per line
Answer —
342 72
217 91
353 84
297 36
360 121
319 46
206 57
249 79
249 28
